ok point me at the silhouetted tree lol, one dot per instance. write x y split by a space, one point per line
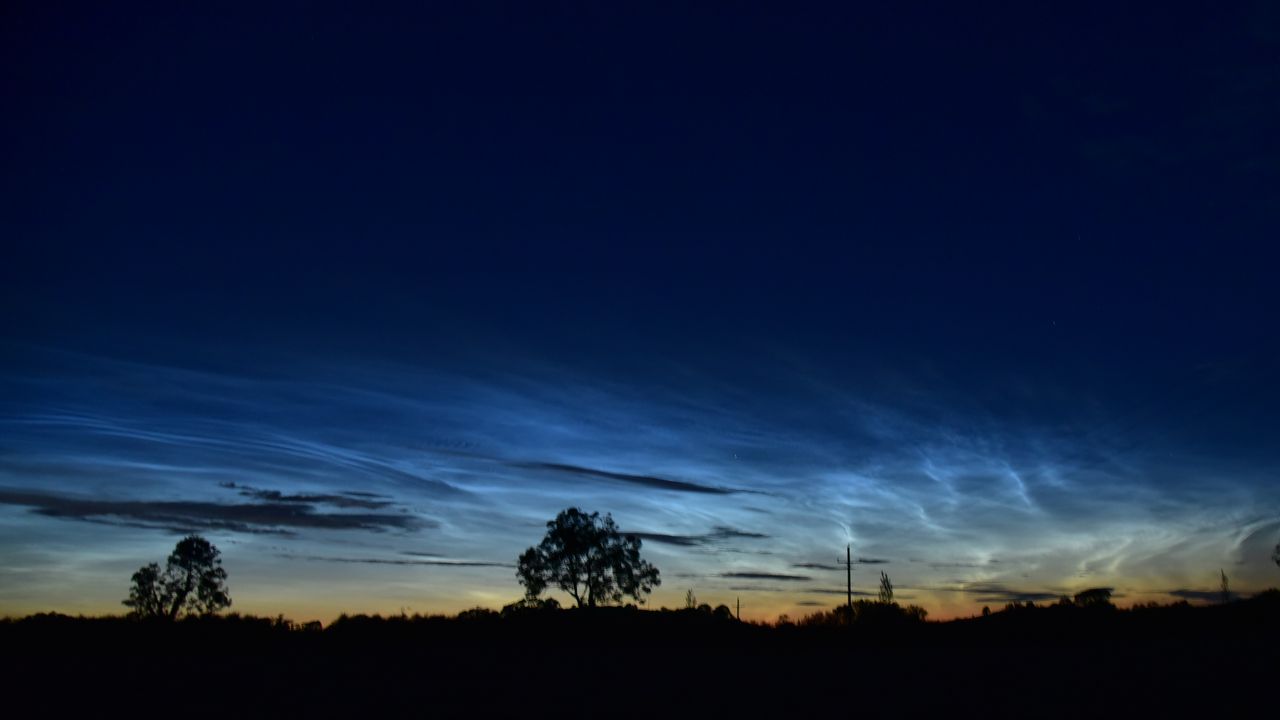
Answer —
1226 588
1094 597
690 600
1275 554
886 588
193 581
147 595
588 558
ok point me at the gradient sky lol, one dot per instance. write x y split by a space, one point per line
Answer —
366 298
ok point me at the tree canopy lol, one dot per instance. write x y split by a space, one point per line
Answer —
585 556
193 581
1094 597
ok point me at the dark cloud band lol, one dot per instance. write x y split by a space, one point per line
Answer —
717 534
765 576
190 516
645 480
365 501
386 561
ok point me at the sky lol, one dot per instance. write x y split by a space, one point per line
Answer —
367 295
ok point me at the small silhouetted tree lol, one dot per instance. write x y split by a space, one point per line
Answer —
690 600
1275 555
1226 588
147 594
886 589
586 557
192 581
1093 597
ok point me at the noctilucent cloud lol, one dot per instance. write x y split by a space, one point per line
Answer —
367 300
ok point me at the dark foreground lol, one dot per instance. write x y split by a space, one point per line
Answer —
1174 661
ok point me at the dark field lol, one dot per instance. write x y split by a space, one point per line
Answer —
1177 661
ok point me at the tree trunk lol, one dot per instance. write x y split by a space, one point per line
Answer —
180 597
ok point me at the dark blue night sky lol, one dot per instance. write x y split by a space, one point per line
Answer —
366 296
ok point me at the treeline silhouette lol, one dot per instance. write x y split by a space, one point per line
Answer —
600 658
1242 622
534 659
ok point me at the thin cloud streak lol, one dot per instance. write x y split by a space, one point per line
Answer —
643 480
765 576
385 561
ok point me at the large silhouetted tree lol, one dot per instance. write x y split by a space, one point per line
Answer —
193 581
588 558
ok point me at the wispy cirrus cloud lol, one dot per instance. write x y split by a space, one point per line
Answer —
175 450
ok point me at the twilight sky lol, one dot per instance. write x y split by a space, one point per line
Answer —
366 298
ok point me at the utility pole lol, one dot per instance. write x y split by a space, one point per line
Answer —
848 579
739 601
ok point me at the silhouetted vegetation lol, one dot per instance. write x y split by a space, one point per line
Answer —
193 581
586 557
1137 660
1089 654
1092 598
886 588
